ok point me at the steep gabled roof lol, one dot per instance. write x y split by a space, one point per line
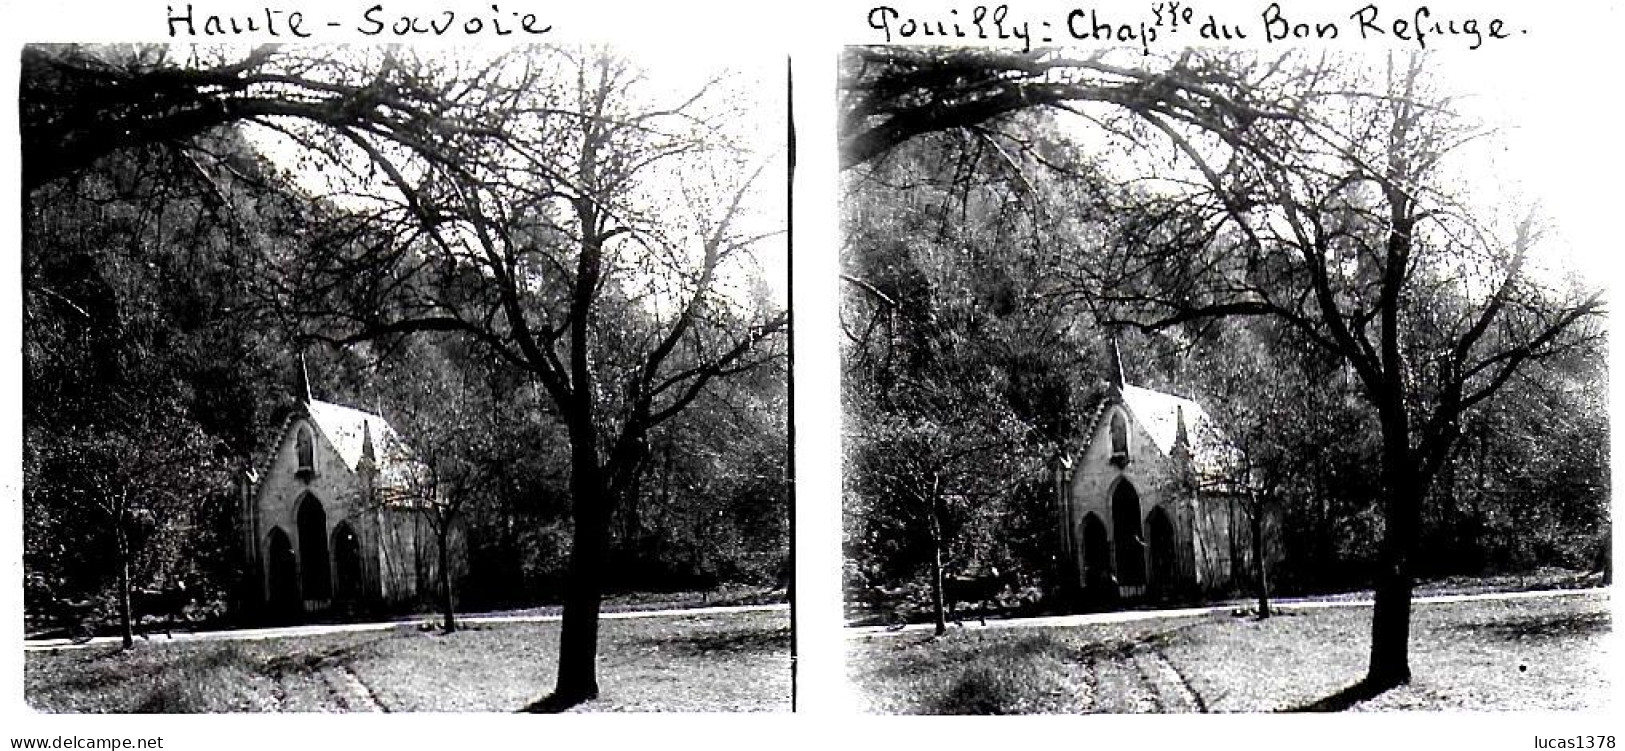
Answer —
1160 414
1175 424
1163 417
351 430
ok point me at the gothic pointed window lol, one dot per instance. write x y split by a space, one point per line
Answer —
1119 439
306 455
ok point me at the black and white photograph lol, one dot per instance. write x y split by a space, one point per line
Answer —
1219 380
366 378
721 375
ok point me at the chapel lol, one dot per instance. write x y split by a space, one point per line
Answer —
335 519
1148 499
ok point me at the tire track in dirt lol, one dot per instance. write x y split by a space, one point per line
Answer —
369 696
1184 683
347 690
1134 677
1119 687
1090 703
268 693
1173 694
1081 675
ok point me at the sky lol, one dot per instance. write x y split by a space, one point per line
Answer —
1552 151
1523 165
753 83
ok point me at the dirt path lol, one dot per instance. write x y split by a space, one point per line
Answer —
1137 678
1173 694
350 694
1120 688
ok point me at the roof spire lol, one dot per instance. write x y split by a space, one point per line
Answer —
1118 380
367 452
302 388
1181 436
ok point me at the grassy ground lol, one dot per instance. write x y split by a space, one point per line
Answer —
40 626
1539 579
912 603
733 662
1514 655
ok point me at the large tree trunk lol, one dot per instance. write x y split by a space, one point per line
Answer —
578 635
1391 628
1391 619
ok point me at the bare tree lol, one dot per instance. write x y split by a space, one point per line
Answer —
1261 382
893 94
1345 224
596 244
932 475
449 460
80 103
144 482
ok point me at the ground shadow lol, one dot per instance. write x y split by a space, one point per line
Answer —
978 692
554 703
1536 627
114 666
745 641
1346 698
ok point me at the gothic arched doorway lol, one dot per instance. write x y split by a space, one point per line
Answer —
1128 535
283 570
1160 534
346 564
1097 556
316 577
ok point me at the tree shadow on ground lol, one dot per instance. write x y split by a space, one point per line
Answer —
959 647
554 703
979 691
117 666
1343 700
1535 627
737 642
